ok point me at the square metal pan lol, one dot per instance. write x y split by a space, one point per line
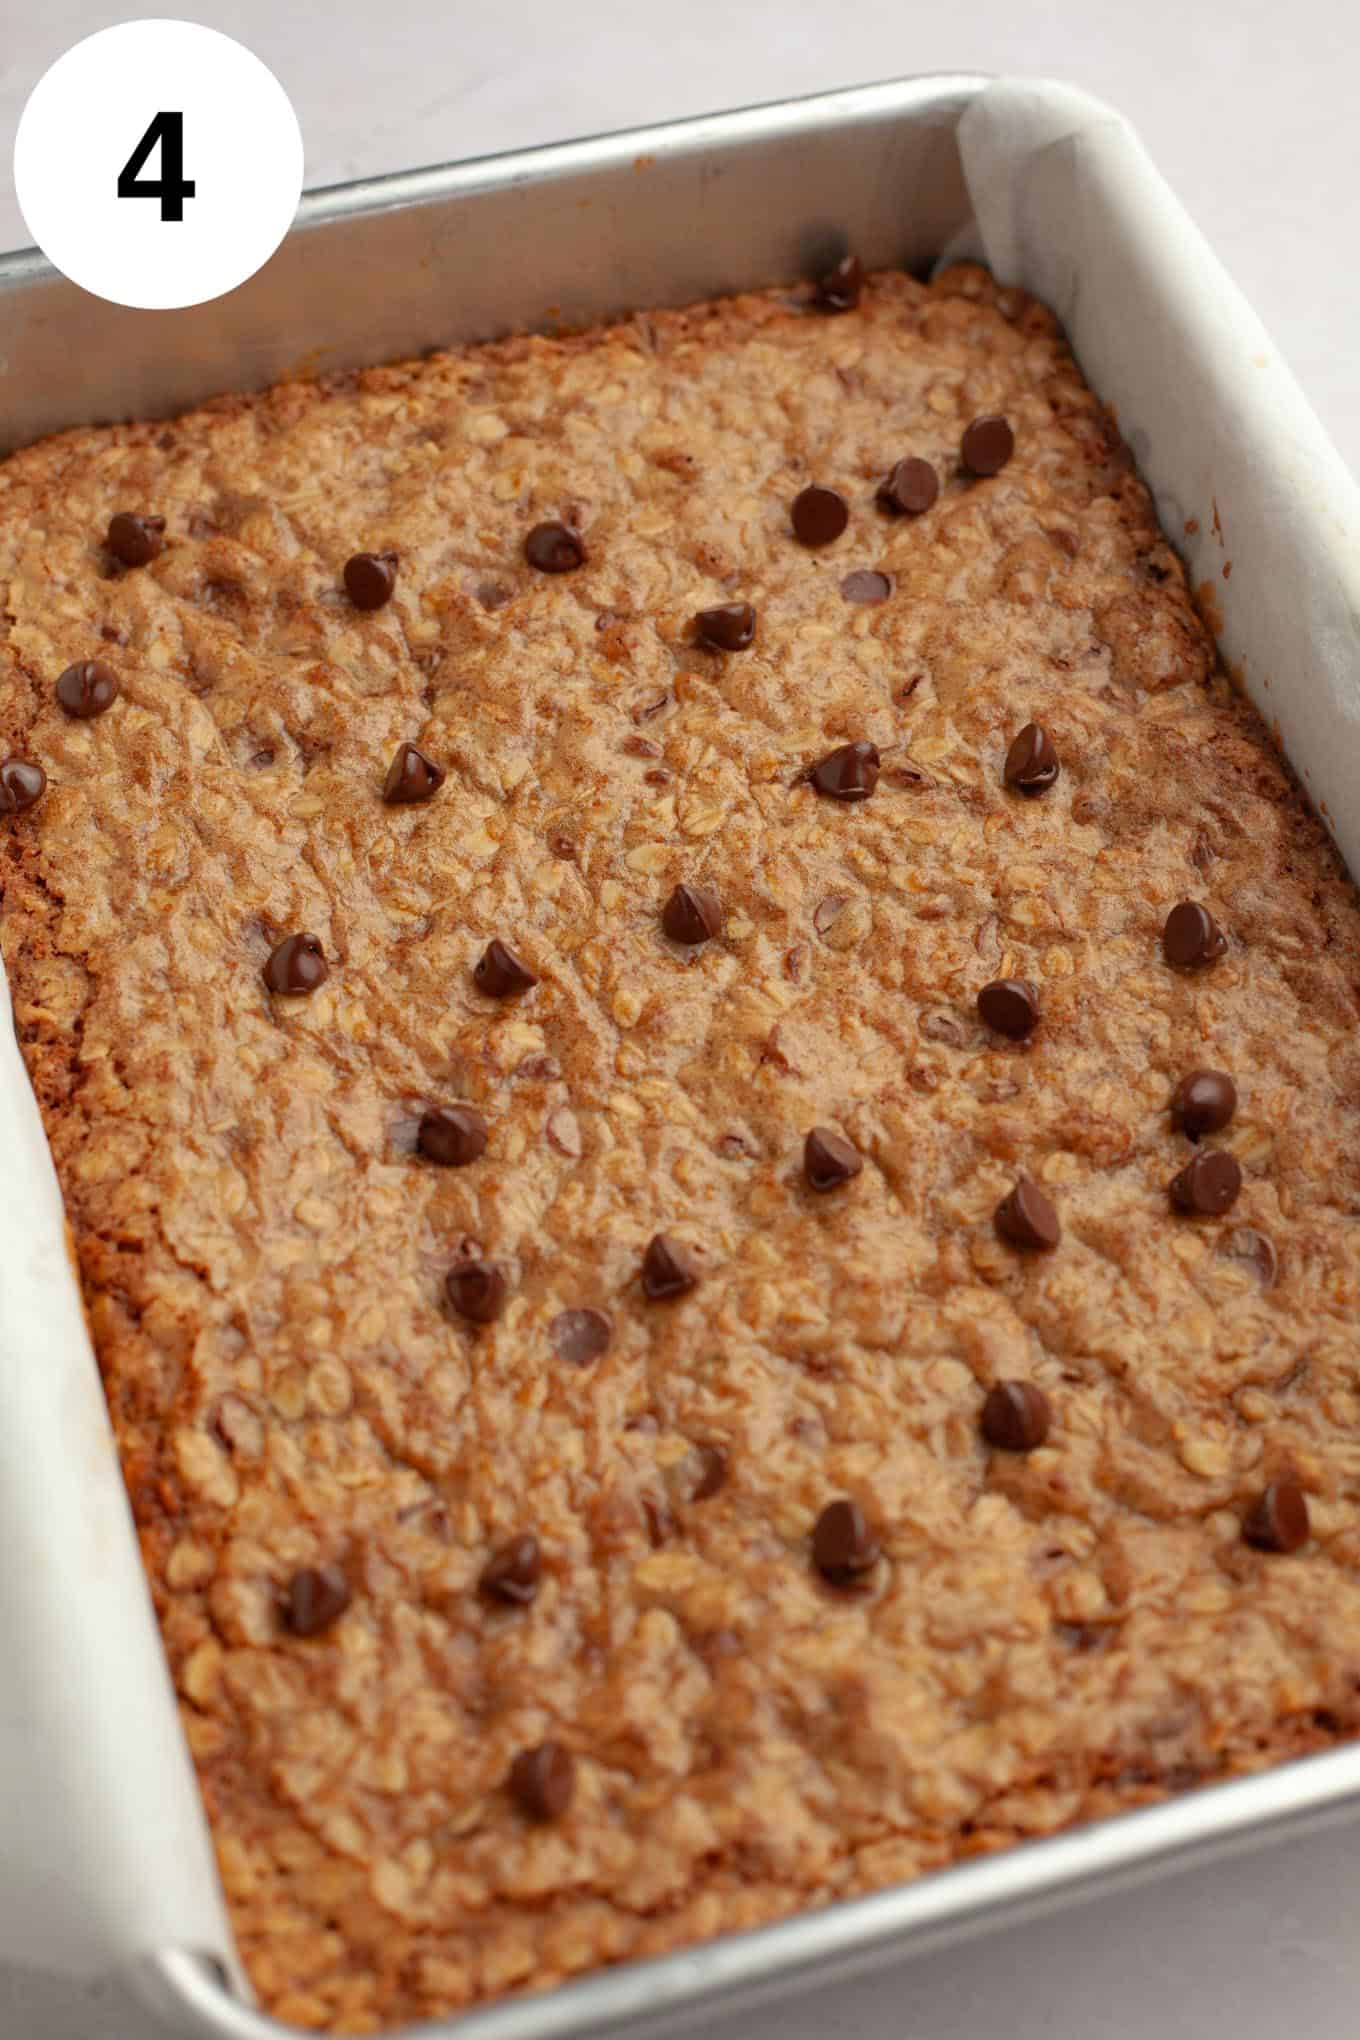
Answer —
561 237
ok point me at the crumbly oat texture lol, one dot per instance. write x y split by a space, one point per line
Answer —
1046 1636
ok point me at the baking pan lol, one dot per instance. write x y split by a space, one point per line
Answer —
1225 1908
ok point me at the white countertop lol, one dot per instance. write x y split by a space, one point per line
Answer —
1247 107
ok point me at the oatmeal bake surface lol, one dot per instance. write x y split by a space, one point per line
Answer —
599 1516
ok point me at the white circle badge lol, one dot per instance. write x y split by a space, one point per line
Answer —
158 164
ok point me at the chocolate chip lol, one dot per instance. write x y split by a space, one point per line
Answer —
850 773
411 777
839 289
477 1290
542 1781
314 1598
452 1135
692 915
554 548
819 515
1016 1417
87 689
844 1548
22 785
1278 1519
1009 1006
135 540
729 627
1027 1219
829 1160
668 1270
1203 1102
513 1571
370 579
1208 1185
866 584
909 488
500 974
987 445
1256 1250
296 966
580 1336
1192 937
710 1475
1031 762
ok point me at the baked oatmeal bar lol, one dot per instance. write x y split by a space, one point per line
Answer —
708 1084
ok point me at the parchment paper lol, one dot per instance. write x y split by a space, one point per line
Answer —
103 1848
104 1854
1245 478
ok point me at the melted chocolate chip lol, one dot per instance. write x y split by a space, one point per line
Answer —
829 1160
580 1336
542 1781
513 1571
1192 937
987 445
1009 1006
1031 762
819 515
866 584
1203 1102
411 777
692 915
1016 1417
500 974
370 579
135 540
87 689
729 627
477 1290
297 966
1256 1251
314 1599
452 1135
710 1475
839 289
909 488
22 785
844 1548
1208 1185
1027 1219
668 1270
554 548
1278 1519
850 773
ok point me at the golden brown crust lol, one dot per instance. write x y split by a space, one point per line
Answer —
1046 1637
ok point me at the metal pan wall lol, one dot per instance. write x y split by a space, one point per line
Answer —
546 238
